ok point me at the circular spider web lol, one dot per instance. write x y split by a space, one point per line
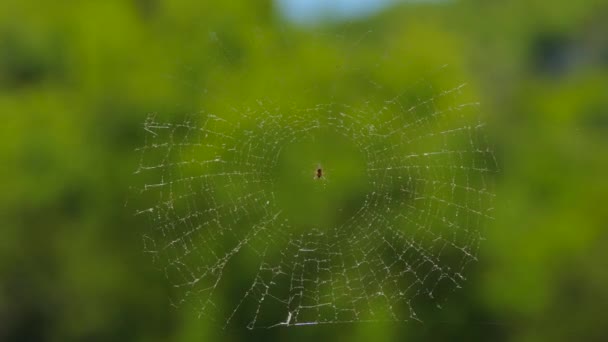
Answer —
246 229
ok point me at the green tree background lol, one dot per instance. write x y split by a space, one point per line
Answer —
77 80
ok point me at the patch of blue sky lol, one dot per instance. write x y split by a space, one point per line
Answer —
307 11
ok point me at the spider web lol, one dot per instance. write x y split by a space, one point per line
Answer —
220 232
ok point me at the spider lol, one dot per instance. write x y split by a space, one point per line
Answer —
318 172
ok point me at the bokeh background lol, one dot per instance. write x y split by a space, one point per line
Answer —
77 80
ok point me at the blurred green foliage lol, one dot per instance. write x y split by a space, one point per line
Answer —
77 80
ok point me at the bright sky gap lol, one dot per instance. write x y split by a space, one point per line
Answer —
307 11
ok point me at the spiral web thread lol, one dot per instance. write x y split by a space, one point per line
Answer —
219 234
